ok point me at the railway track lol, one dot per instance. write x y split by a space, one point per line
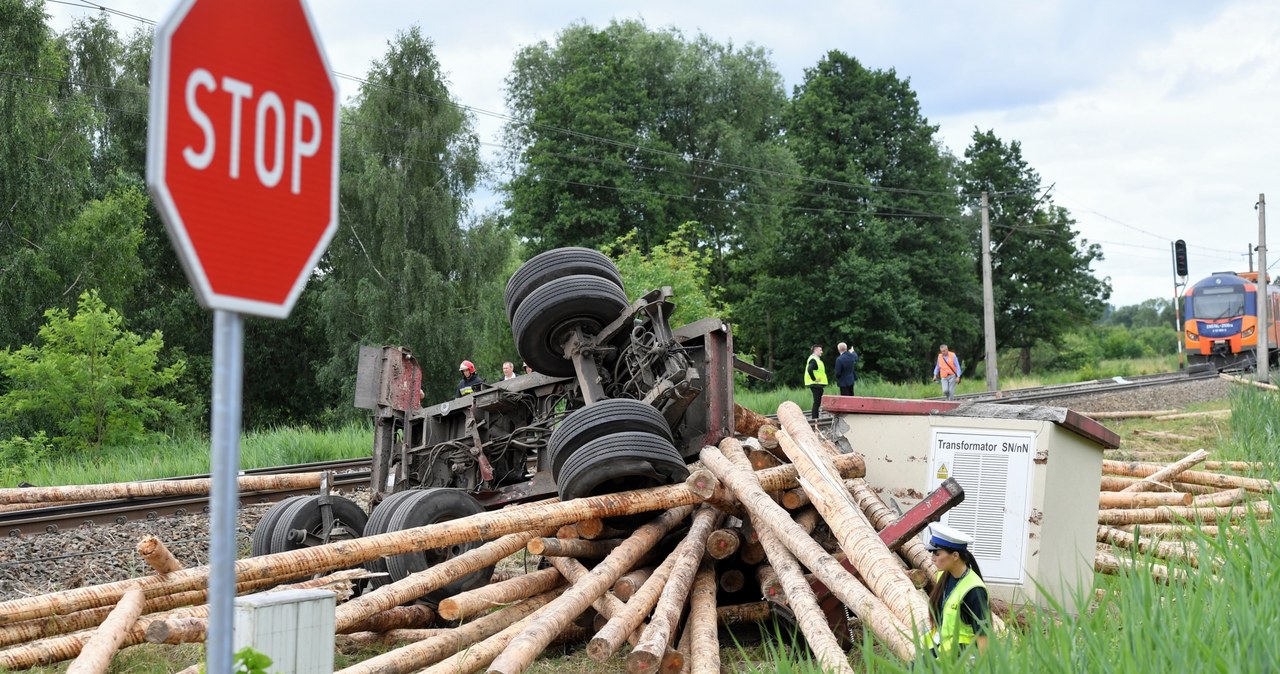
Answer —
348 475
1087 388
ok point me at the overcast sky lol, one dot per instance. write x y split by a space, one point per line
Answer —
1155 119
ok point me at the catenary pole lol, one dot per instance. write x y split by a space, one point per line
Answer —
1263 353
988 302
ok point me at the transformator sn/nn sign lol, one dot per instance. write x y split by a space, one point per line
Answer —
243 149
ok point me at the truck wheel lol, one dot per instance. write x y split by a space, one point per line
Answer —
554 264
380 523
601 418
549 313
621 462
260 541
428 506
304 516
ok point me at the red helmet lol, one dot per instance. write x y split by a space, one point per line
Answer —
467 366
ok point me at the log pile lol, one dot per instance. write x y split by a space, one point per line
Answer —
745 525
1151 509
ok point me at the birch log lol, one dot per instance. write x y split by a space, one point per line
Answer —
629 618
534 638
580 548
417 584
1168 473
157 556
1142 499
1105 562
395 618
1207 479
1181 530
1117 483
1183 551
479 600
724 542
96 655
1131 414
1214 414
434 649
1221 498
31 630
877 565
800 598
1261 510
1248 382
704 646
659 633
878 512
631 581
736 614
151 489
765 513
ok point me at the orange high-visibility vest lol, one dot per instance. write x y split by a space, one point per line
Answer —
945 368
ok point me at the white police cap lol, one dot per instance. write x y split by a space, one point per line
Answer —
948 538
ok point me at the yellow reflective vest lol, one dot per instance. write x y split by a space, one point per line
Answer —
954 631
819 375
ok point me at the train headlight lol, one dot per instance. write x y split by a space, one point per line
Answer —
1248 333
1192 337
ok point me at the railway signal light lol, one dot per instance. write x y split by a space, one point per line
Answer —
1180 257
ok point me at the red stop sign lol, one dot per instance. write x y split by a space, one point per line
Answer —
242 154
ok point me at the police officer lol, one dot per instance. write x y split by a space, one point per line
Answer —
471 380
959 604
815 377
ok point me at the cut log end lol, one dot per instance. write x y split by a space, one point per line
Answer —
643 662
702 483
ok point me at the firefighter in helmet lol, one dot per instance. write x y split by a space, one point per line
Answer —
471 380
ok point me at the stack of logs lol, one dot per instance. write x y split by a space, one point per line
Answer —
1152 508
743 524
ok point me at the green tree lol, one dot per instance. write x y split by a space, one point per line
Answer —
407 266
1153 313
89 381
675 263
1043 282
624 128
874 251
44 166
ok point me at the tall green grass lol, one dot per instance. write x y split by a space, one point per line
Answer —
190 456
1255 425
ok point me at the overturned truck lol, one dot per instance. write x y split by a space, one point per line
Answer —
619 400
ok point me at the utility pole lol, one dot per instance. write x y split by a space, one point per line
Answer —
1249 254
988 303
1263 369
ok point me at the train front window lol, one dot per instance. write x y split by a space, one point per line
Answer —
1215 303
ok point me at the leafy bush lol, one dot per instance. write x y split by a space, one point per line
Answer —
1076 352
674 263
89 382
19 454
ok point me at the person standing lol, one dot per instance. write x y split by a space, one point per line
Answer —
947 369
815 377
508 371
959 604
846 372
471 380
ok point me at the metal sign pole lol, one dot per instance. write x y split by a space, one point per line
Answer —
228 379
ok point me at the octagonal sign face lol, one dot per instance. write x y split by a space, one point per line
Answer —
242 155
